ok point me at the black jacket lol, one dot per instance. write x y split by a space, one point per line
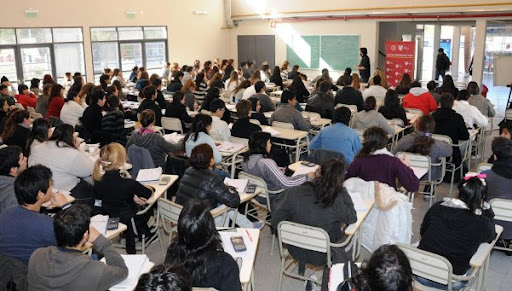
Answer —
301 94
450 123
261 118
160 99
117 194
92 117
390 114
402 90
19 138
442 62
178 111
150 104
349 95
227 72
243 128
322 104
174 86
298 204
208 186
278 80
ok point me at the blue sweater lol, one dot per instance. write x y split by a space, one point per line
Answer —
22 231
338 138
203 138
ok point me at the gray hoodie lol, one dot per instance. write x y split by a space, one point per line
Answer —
7 196
54 268
267 169
157 146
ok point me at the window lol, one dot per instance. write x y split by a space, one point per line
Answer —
27 53
127 47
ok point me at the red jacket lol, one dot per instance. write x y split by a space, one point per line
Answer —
421 99
54 107
25 100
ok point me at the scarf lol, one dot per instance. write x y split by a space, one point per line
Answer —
503 167
457 203
143 131
382 151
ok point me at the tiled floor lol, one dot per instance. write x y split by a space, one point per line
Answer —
267 265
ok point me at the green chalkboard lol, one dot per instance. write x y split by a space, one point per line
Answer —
339 51
304 51
323 51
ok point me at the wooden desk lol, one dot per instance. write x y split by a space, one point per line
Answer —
480 259
160 189
110 234
292 135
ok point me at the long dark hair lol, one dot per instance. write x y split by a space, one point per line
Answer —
473 192
63 135
243 85
39 132
448 85
257 144
387 270
424 141
199 80
327 186
406 81
392 103
297 84
374 138
213 93
199 124
11 124
197 242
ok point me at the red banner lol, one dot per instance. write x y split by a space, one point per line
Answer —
399 60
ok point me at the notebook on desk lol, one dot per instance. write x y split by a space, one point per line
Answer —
229 147
239 184
137 265
149 175
100 223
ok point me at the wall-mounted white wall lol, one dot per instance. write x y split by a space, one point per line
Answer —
190 36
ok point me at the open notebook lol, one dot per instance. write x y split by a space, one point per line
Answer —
137 265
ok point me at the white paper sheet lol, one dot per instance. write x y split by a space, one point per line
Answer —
301 169
229 147
239 184
225 236
136 264
147 175
359 203
174 137
270 130
100 223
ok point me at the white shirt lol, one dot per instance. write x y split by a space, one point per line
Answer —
121 80
376 91
220 129
249 92
230 86
71 112
470 113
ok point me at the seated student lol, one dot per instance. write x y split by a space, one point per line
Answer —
22 228
405 85
198 248
294 72
450 123
147 138
506 132
369 117
113 122
25 97
322 202
322 102
338 137
480 102
149 93
176 83
421 142
157 82
188 91
199 134
256 111
69 165
432 87
266 103
5 95
216 81
173 278
383 81
40 133
499 179
232 83
448 86
143 76
42 100
65 266
73 109
55 101
200 181
134 74
4 109
375 90
349 95
286 112
301 92
244 127
251 90
177 109
455 228
120 194
12 163
213 94
392 108
472 116
387 269
390 168
220 130
238 92
419 98
200 86
93 115
258 163
17 128
276 77
34 86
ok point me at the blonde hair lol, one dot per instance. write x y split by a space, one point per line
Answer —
356 83
112 157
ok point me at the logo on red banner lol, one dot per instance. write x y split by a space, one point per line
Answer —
399 60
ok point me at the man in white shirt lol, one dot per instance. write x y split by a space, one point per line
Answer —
470 113
73 109
220 130
376 90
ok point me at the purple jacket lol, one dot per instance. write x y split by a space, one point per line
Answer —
383 168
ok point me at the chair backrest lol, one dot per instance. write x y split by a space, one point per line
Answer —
31 109
508 114
442 137
483 167
502 209
259 182
352 108
283 125
36 115
239 140
169 210
418 161
255 121
140 158
414 111
305 237
428 265
172 123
